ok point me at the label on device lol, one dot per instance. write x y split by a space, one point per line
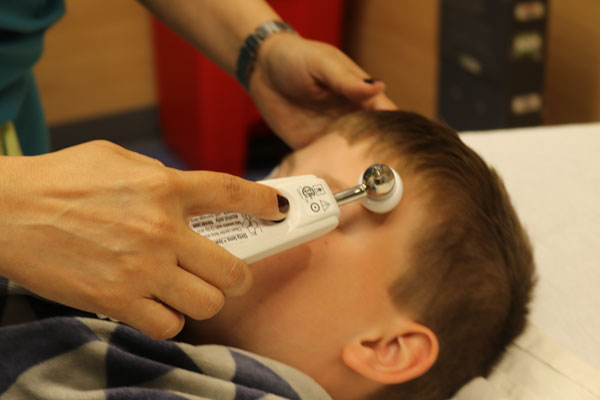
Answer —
227 227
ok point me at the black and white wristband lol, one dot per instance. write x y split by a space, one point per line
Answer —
247 56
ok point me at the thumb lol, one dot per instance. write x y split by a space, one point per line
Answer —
355 86
367 93
379 102
360 89
343 77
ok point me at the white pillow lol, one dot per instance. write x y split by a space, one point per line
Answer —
535 367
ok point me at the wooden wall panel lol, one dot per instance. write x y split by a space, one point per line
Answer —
97 61
573 62
396 41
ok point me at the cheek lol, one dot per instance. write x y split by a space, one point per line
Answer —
299 277
291 297
281 269
286 283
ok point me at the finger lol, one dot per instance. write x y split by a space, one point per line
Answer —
210 192
154 318
215 265
341 75
190 295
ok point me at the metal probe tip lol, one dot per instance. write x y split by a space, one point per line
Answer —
377 182
379 179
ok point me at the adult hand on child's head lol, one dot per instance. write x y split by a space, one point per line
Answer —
105 230
300 86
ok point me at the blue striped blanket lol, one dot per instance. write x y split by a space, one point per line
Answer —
48 351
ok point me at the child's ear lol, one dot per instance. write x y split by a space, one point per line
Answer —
393 354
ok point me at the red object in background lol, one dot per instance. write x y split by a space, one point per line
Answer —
206 116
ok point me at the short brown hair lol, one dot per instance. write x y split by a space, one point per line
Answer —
473 269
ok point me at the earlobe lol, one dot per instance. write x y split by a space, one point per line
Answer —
393 355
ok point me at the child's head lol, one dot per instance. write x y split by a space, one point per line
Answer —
413 303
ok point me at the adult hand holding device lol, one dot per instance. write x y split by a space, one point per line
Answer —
105 230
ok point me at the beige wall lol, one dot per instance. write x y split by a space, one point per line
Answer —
97 61
396 41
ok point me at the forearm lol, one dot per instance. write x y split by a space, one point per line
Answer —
217 28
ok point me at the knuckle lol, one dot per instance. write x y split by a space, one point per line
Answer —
100 286
161 181
233 273
102 143
102 146
212 302
155 181
160 225
149 225
126 265
169 329
157 162
231 188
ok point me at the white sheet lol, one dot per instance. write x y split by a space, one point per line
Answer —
553 176
536 368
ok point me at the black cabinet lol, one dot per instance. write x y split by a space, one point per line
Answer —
491 63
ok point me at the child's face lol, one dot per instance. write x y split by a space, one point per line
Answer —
307 302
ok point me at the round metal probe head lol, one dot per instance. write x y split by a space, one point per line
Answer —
379 180
379 190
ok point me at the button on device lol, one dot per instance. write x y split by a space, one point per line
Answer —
315 207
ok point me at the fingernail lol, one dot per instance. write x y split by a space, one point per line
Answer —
283 204
370 80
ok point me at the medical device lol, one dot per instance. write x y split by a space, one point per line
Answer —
314 211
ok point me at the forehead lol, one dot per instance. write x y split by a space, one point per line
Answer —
332 158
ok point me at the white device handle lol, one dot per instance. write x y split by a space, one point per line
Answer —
313 212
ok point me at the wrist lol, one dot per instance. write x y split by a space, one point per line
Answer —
9 206
248 53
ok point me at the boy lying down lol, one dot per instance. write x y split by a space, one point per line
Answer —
408 305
